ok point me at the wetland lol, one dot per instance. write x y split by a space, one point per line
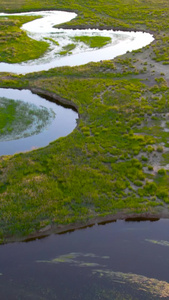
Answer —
68 47
114 165
116 159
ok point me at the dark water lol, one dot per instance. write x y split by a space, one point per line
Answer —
63 124
122 260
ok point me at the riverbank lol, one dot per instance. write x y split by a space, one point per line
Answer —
62 229
116 159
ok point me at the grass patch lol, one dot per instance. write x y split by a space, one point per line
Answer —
97 169
15 45
93 41
51 40
67 49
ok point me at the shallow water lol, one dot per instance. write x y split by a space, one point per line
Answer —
122 260
64 122
42 28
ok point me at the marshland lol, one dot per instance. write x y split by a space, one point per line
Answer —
115 162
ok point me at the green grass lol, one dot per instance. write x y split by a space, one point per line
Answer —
52 40
94 171
108 164
15 46
93 41
67 49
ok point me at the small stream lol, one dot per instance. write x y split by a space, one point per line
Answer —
121 260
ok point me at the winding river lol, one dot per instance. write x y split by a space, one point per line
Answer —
42 29
120 260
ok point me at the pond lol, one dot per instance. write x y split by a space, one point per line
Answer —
63 122
120 260
66 46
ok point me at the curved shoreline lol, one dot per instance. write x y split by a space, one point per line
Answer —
63 109
62 229
57 98
108 27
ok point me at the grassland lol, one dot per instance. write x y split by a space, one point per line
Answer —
116 159
15 46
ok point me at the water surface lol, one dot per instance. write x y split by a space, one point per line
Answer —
122 260
63 124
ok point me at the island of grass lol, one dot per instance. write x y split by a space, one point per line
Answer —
115 163
51 40
93 41
67 49
19 119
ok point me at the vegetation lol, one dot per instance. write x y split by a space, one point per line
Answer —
116 159
67 49
52 40
15 46
93 41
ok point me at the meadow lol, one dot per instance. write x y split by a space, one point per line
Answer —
15 46
116 160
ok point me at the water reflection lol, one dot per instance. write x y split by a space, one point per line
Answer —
64 122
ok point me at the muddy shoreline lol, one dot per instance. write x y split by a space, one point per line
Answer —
62 229
54 98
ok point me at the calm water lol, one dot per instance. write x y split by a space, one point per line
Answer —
42 29
122 260
64 122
